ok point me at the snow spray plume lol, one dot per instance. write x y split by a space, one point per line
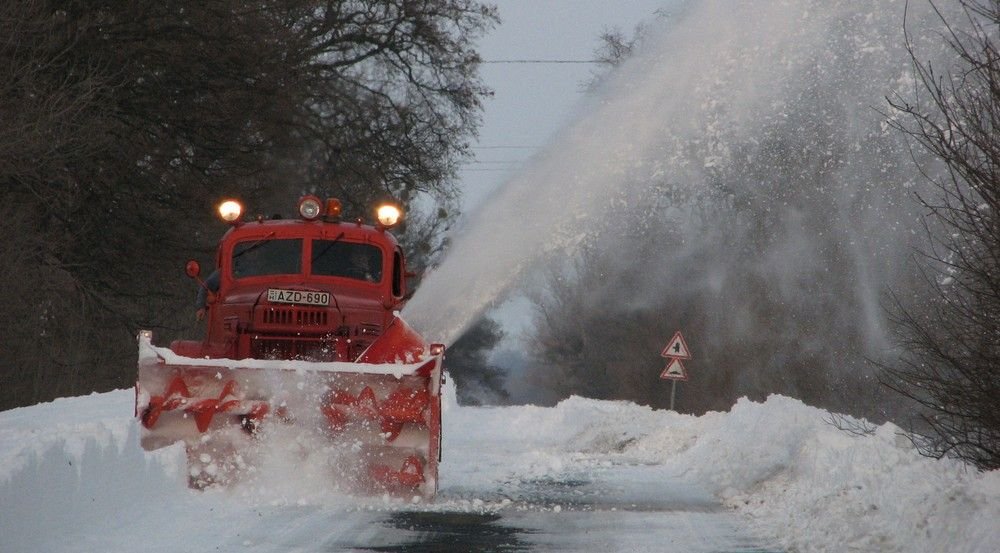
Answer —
766 111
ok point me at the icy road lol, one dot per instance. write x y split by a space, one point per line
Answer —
583 476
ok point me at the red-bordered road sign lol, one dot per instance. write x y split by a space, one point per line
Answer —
677 348
675 370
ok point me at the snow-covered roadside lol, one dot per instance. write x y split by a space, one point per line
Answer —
797 479
75 464
72 476
816 488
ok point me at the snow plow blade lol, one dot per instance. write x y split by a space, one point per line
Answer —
378 422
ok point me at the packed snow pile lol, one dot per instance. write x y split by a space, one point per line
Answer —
815 487
73 478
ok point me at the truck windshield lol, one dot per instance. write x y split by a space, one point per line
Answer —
347 259
267 257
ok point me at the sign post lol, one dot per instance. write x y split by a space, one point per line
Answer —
675 351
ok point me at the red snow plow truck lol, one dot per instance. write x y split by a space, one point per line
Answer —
303 348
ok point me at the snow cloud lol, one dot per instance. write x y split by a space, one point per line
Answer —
761 118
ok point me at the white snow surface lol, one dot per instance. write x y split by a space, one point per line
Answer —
152 354
73 478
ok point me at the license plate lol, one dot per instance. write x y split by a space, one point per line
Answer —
275 295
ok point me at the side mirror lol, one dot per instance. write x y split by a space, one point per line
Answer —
193 269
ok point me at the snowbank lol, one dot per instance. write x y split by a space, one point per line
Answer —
75 464
795 476
73 478
814 487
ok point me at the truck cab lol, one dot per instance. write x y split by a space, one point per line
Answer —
313 288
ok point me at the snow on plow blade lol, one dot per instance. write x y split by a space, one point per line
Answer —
378 424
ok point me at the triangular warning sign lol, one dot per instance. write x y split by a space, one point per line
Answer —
675 370
677 348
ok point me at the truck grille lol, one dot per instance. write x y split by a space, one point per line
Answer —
286 347
291 316
309 348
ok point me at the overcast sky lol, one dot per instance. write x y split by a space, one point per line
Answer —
533 100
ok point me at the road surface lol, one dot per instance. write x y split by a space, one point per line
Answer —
638 512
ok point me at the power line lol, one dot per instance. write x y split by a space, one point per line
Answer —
544 61
505 147
496 161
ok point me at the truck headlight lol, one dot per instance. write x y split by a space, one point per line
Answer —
230 211
388 215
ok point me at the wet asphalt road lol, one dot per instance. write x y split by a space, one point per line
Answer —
639 513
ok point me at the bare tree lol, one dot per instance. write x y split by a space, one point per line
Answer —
121 125
951 364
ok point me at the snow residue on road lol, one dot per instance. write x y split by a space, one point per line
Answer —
73 478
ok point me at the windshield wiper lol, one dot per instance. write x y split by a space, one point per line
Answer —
256 245
327 248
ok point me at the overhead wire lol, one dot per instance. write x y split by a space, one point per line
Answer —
542 61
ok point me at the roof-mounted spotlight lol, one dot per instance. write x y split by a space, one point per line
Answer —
310 208
388 215
230 211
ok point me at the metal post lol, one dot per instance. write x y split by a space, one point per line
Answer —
673 391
